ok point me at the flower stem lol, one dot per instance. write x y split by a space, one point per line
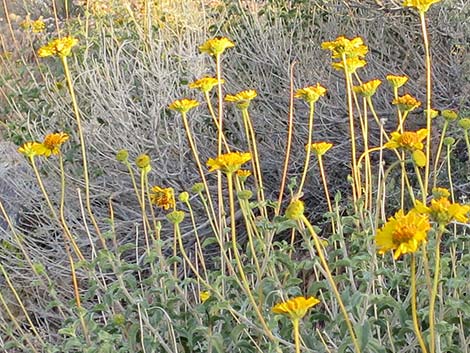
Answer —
296 324
432 299
413 305
428 97
330 279
309 147
438 154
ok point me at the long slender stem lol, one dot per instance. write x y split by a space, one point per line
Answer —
438 154
296 325
330 279
432 299
428 97
414 312
68 78
309 146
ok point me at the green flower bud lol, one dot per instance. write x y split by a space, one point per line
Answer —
449 115
449 141
122 156
465 123
183 197
245 194
197 188
175 217
143 162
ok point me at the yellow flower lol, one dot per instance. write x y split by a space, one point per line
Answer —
295 308
396 81
242 99
403 233
203 296
350 48
216 46
434 113
243 174
183 105
409 140
52 143
228 162
352 64
311 94
31 149
295 210
38 26
143 162
420 5
367 89
319 148
406 103
163 197
443 211
205 84
60 47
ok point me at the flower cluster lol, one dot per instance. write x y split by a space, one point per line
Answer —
350 52
442 210
50 146
60 47
228 162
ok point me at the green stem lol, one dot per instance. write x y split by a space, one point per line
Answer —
413 305
432 299
296 324
330 279
438 154
428 97
309 147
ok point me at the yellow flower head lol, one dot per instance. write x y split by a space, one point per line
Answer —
38 26
350 48
319 148
396 81
228 162
295 210
409 140
52 143
163 197
367 89
31 149
216 46
60 47
311 94
183 105
352 64
406 103
420 5
403 233
242 99
434 113
295 308
443 211
205 84
203 296
243 174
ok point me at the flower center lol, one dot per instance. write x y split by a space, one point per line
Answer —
404 233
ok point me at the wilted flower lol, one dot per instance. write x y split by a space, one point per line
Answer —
311 94
409 140
396 81
205 84
350 48
319 148
60 47
420 5
183 105
295 210
228 162
403 233
52 143
406 103
163 197
216 46
367 89
242 99
295 308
